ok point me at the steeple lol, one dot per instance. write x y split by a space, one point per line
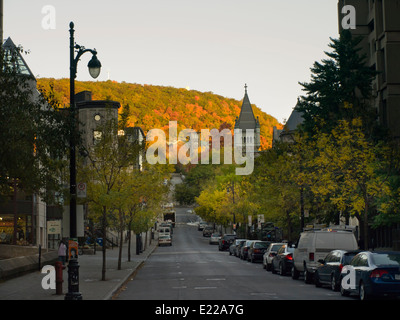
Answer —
247 121
246 118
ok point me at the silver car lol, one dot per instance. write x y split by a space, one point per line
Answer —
270 254
214 239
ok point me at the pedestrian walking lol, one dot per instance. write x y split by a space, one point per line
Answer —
62 252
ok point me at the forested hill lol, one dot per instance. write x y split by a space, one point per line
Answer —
154 106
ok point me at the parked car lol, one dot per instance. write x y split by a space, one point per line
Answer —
202 225
225 241
313 245
244 249
234 245
256 250
372 274
270 253
329 270
207 231
239 247
283 260
164 239
214 238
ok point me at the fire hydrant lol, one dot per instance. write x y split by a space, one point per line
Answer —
59 277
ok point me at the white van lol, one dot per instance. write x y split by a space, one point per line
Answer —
314 245
164 231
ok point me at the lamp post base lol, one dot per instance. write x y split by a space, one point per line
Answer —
73 281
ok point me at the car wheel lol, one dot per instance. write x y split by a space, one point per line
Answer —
362 293
281 270
334 285
307 276
295 273
318 284
268 267
343 291
273 269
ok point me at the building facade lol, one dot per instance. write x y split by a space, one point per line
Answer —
23 216
378 23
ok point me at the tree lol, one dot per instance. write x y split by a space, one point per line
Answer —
340 88
274 188
352 171
110 159
34 132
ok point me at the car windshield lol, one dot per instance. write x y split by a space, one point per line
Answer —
276 247
392 259
261 245
229 237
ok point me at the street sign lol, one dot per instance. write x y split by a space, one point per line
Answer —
54 227
81 190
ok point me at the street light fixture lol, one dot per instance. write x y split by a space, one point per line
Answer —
94 66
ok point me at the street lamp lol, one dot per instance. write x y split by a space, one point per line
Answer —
94 66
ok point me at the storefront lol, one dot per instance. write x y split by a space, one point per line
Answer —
16 221
21 234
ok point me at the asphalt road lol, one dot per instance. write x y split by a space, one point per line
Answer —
192 269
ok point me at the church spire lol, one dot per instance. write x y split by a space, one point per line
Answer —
246 118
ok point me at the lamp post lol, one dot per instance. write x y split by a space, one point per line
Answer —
94 70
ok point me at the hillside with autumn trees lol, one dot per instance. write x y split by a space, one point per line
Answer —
154 106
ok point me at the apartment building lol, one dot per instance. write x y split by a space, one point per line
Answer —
378 22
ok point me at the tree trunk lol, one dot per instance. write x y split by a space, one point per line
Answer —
120 249
103 270
129 244
366 225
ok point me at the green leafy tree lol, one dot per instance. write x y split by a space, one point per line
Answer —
34 133
340 88
108 162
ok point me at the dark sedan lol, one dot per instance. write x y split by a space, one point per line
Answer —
256 250
329 270
283 261
244 249
371 274
225 241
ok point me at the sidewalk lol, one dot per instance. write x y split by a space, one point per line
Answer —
29 286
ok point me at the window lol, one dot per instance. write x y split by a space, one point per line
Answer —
363 262
96 136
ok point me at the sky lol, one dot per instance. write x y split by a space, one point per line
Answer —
206 45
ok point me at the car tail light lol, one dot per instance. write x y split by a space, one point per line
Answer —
257 250
377 273
272 254
340 267
289 257
311 256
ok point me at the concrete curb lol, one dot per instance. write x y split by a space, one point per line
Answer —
113 293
